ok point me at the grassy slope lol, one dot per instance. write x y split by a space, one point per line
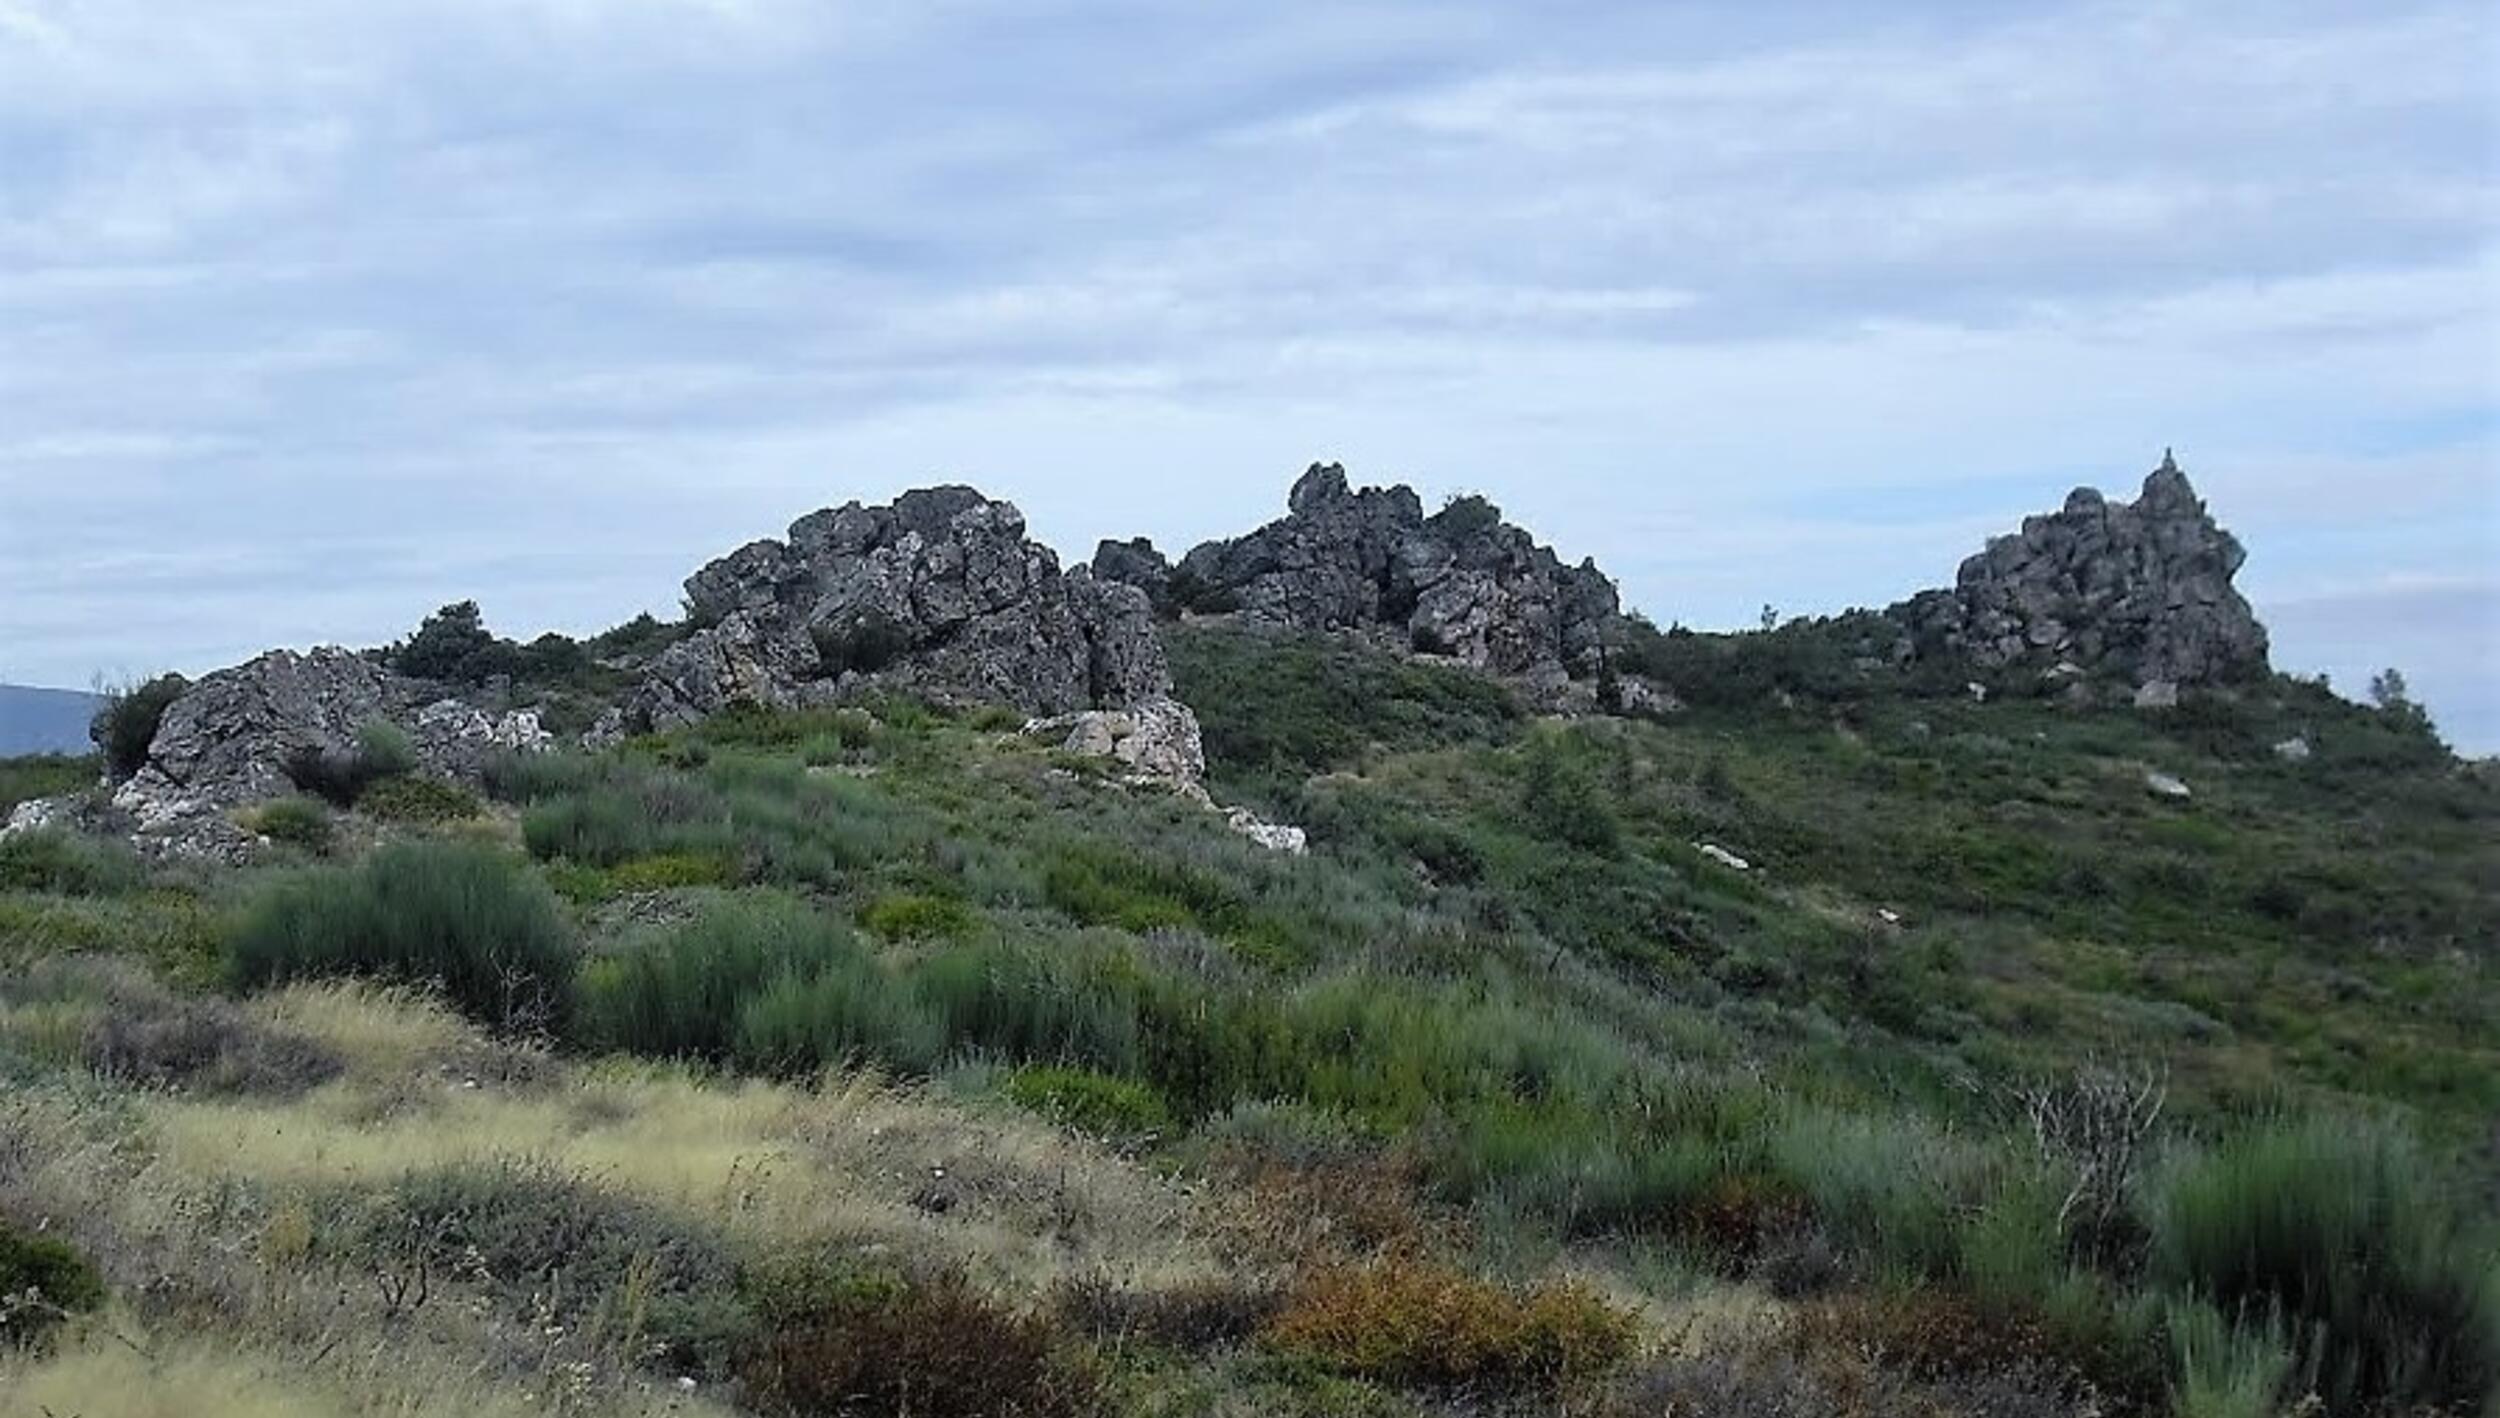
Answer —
1507 1015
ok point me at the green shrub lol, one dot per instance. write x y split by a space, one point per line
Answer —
382 751
125 727
2340 1232
917 916
762 980
672 871
43 775
68 864
460 916
417 800
297 822
2226 1370
1091 1102
42 1282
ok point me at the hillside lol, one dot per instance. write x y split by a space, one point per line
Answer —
1628 1022
44 720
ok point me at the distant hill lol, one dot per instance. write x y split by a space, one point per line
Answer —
44 720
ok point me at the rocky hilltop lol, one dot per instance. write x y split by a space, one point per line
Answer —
940 594
1462 583
2140 591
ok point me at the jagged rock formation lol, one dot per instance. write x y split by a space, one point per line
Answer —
2136 590
939 594
1461 583
230 740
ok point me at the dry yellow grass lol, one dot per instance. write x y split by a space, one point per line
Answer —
220 1376
848 1160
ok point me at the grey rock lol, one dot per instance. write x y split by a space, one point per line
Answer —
1463 584
228 740
1155 739
1137 563
2138 591
1274 836
2163 785
940 594
2157 694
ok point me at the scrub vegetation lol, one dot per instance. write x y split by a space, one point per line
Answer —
883 1061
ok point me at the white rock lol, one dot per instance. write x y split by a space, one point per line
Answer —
2157 694
1154 738
1275 837
2293 750
1723 856
2163 785
1978 692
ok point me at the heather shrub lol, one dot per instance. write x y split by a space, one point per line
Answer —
123 1025
460 917
936 1348
918 916
1422 1324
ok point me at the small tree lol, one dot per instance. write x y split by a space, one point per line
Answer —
126 725
454 645
2388 690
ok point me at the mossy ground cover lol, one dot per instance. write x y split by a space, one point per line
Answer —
1508 1034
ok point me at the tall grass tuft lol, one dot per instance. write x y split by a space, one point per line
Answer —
459 916
2345 1233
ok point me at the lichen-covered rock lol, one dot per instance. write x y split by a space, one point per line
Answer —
1462 583
1156 739
940 594
230 738
2136 590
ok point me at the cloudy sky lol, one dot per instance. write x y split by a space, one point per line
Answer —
315 314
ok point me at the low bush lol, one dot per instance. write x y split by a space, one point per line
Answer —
418 800
67 864
42 1283
297 822
130 1028
2342 1234
1201 1314
459 916
382 750
917 916
539 1237
1422 1324
1090 1102
938 1348
126 726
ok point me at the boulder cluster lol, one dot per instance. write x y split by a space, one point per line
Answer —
1460 583
2140 591
940 594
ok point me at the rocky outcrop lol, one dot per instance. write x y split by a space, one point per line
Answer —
232 737
1156 740
940 595
1461 583
2140 591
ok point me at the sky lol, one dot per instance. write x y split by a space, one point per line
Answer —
315 316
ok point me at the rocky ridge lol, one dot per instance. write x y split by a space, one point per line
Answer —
1461 583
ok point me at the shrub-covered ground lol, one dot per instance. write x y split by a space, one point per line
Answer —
875 1062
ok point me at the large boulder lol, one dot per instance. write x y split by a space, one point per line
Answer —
2140 591
232 738
1461 583
940 594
